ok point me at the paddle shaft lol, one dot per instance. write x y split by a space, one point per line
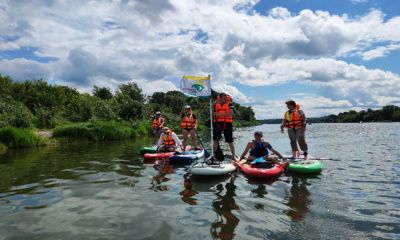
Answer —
206 153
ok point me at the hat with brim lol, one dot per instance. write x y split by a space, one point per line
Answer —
158 113
258 132
187 106
165 129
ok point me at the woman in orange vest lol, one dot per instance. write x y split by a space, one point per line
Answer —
188 125
157 125
223 112
295 122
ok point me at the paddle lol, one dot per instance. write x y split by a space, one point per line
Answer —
312 158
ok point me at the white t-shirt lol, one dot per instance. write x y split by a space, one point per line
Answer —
176 139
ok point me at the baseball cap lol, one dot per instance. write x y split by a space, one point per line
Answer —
258 132
165 129
158 112
187 106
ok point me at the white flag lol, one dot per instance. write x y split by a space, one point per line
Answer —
196 86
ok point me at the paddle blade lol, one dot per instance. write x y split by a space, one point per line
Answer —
219 154
206 153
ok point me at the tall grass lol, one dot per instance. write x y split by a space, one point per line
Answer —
20 137
102 131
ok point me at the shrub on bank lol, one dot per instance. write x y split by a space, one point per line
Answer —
102 131
20 137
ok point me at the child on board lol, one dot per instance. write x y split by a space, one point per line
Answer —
157 124
168 141
189 125
259 148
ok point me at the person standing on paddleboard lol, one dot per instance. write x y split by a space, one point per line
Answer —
189 125
223 113
295 122
258 149
157 124
168 141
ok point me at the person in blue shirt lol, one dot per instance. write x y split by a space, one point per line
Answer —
259 148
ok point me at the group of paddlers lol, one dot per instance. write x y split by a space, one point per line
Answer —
294 122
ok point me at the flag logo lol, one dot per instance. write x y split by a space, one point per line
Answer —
199 85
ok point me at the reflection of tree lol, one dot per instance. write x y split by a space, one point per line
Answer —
163 169
223 206
298 200
188 194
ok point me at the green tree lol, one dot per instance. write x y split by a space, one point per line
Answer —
103 93
132 90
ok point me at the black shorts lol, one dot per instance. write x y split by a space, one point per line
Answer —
188 129
228 132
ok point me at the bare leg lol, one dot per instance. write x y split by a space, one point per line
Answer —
185 135
155 139
232 147
193 136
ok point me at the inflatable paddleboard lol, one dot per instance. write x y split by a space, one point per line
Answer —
300 165
211 169
256 172
150 149
188 156
164 154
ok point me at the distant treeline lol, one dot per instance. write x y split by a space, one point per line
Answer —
38 104
388 113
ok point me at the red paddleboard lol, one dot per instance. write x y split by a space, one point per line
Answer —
163 154
256 172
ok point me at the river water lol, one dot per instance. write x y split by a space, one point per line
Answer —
107 191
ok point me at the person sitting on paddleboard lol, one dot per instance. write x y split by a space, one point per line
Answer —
258 148
157 124
189 125
168 141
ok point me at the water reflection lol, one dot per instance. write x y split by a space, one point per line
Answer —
188 193
163 167
225 224
298 199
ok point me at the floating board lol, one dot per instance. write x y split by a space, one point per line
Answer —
256 172
300 165
188 156
163 154
150 149
209 169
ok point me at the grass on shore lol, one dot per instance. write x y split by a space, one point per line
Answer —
19 138
93 132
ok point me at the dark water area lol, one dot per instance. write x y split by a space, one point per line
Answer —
107 191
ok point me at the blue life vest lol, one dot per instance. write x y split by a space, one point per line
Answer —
259 150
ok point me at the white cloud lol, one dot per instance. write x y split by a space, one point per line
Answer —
21 69
379 52
112 42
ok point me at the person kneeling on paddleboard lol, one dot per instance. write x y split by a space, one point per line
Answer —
168 141
258 149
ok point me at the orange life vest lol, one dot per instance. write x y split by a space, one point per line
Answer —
188 122
159 122
222 108
168 141
293 119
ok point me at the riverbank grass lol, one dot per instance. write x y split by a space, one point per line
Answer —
93 132
19 138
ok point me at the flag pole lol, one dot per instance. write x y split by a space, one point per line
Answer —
211 121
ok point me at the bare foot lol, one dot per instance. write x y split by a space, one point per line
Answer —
236 164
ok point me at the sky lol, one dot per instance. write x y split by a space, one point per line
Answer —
328 56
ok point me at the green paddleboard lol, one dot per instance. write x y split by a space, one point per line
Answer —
151 149
305 166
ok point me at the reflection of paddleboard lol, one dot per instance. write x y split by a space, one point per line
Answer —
188 156
211 169
163 154
209 184
256 172
300 165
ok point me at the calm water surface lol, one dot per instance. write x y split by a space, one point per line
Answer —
107 191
